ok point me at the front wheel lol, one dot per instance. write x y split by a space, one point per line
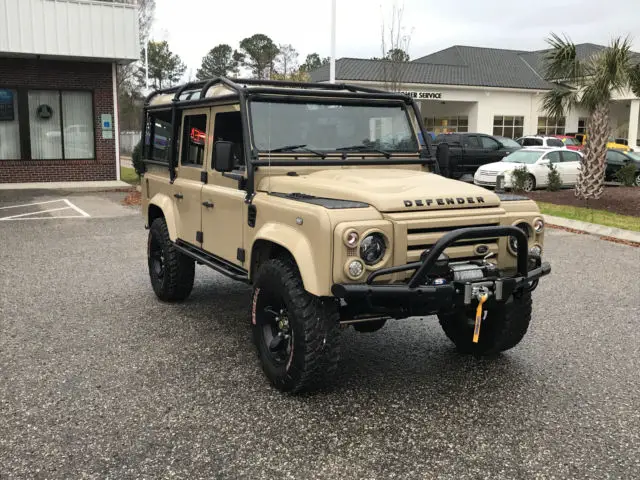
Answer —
503 326
529 184
296 334
637 182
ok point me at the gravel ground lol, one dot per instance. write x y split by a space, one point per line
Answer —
98 379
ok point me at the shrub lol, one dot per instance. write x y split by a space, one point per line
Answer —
136 159
554 182
518 178
627 174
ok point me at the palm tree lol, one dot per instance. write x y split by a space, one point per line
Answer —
589 83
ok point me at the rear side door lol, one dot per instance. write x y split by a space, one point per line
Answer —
473 155
615 161
187 186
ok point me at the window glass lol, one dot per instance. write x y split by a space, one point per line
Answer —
582 125
77 119
554 142
45 125
551 126
194 139
570 156
471 141
508 142
553 157
449 124
489 143
9 129
228 127
615 158
508 126
160 127
532 142
522 156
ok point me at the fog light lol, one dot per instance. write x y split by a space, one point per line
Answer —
355 268
536 250
538 225
351 239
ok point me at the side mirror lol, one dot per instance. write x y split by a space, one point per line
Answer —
222 156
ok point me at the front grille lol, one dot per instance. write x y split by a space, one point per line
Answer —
420 234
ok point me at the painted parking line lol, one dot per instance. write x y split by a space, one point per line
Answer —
46 212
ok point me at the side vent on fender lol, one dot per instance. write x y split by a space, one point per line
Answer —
252 214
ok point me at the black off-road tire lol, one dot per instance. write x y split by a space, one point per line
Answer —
503 327
314 324
175 282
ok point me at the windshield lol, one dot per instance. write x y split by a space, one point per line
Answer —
508 142
522 156
326 127
570 141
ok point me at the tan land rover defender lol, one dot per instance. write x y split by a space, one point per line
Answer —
323 198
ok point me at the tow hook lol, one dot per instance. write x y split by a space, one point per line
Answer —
482 294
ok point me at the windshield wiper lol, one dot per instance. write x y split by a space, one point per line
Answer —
291 148
363 148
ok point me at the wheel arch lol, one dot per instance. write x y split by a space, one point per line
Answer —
160 206
287 242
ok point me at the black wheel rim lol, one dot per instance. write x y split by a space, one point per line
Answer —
156 257
274 323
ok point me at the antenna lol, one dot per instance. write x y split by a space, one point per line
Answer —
269 149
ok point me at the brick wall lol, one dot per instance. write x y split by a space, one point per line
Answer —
53 74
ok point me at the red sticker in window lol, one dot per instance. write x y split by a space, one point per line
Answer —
198 136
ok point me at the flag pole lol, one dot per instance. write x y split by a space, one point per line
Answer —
332 65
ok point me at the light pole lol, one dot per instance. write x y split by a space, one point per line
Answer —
332 63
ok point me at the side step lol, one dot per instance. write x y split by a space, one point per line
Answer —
220 265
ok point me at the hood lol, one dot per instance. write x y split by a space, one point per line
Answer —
498 167
388 190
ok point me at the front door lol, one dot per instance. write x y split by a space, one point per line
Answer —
473 154
569 167
223 206
615 161
188 184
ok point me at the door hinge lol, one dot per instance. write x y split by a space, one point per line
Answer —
204 177
241 255
199 237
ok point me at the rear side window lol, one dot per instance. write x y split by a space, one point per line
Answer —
159 136
194 139
554 142
531 142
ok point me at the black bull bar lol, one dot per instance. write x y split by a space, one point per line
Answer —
433 297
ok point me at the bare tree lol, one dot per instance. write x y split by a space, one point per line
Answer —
287 60
395 43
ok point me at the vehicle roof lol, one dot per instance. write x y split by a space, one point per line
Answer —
545 149
221 87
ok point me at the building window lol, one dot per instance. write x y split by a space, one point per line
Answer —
61 125
508 126
551 126
9 128
582 124
452 124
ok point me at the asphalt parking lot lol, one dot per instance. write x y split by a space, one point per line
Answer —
98 379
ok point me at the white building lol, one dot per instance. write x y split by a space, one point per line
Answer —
58 101
485 90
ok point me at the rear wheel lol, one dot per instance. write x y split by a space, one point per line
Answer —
170 271
296 334
503 327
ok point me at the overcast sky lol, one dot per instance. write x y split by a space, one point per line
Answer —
193 27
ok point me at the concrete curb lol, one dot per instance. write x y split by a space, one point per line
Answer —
67 186
594 228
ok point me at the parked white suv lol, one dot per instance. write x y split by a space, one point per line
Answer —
540 141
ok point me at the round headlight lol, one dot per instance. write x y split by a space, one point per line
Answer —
351 239
538 225
372 248
513 241
536 250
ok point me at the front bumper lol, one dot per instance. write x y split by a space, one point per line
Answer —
419 297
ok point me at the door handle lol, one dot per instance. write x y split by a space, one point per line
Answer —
207 204
178 195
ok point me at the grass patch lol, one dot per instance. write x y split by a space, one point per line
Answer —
129 175
601 217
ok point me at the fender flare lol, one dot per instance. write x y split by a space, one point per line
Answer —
166 205
299 247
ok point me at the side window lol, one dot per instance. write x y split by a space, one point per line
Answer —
570 156
159 136
615 158
521 141
194 139
554 142
553 157
489 143
228 127
470 141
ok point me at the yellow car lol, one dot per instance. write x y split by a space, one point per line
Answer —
582 138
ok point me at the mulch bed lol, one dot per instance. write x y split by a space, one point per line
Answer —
621 200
